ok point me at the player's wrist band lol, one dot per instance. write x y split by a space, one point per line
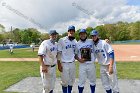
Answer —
111 55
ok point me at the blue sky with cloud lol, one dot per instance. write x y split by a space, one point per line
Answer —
133 2
59 14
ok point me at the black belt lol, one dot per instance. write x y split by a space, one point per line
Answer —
67 62
51 65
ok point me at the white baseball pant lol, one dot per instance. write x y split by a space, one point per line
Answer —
48 79
109 81
68 74
87 71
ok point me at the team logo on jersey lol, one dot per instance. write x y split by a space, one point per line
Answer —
70 46
100 53
99 50
87 46
53 49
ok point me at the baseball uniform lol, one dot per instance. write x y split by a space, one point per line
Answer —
86 69
11 46
67 48
49 52
102 51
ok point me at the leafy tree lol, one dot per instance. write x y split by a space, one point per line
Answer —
1 37
25 38
102 31
135 30
122 31
117 31
34 34
64 34
89 29
2 28
17 35
44 36
77 34
30 35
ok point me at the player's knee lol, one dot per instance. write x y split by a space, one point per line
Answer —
107 87
92 83
64 83
46 90
46 87
81 83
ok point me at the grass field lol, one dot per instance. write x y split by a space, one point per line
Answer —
18 53
12 72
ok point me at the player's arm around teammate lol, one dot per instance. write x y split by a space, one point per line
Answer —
47 55
86 60
105 56
66 59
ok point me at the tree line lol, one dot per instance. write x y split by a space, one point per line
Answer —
119 31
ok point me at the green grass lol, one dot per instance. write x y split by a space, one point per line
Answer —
18 53
13 72
125 70
128 70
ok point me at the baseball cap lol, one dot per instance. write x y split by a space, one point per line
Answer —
71 27
53 32
94 32
82 31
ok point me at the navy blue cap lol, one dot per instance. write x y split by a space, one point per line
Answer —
94 32
71 27
82 31
53 32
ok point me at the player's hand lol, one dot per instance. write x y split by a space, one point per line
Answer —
108 41
81 60
60 67
110 69
44 69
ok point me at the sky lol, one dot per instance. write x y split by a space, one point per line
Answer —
45 15
133 2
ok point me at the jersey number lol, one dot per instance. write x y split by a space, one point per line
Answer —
104 56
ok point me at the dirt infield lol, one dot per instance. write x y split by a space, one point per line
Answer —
19 59
127 52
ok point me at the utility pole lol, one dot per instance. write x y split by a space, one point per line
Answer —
11 29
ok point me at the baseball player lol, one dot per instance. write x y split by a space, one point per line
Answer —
105 57
11 46
32 46
86 67
48 59
66 58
